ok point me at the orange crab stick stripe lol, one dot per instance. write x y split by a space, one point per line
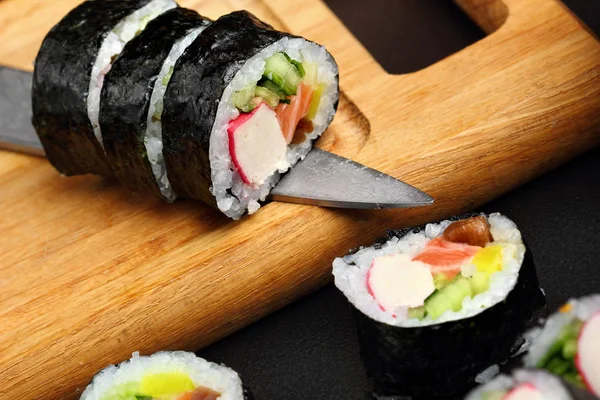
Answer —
446 257
289 115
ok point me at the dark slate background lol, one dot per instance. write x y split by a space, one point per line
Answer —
309 349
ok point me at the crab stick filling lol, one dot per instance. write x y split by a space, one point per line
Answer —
525 391
256 144
398 282
587 358
444 257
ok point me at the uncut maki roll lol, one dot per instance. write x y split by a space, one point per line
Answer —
244 104
165 375
133 96
569 344
525 384
437 304
69 71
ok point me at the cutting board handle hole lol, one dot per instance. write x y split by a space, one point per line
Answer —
423 31
349 131
490 15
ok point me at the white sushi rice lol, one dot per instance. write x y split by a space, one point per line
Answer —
350 272
225 179
202 373
547 384
582 309
112 46
153 136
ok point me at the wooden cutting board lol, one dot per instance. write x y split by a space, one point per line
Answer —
90 272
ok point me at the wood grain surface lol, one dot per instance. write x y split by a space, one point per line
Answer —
90 272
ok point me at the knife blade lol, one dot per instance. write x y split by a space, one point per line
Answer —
328 180
16 131
321 179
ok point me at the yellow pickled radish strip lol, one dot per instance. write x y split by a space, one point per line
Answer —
488 259
311 71
311 78
155 385
316 100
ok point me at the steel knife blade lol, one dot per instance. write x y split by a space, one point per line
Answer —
321 179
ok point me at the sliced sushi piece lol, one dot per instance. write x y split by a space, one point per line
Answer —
166 376
528 384
133 97
237 65
74 58
568 344
429 334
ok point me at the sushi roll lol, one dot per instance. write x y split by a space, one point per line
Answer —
569 344
69 72
437 304
244 104
132 100
524 384
166 376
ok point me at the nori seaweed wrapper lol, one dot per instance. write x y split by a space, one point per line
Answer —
247 393
444 359
127 92
61 81
196 87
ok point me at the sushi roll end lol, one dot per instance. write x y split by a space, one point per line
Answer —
166 376
569 344
244 104
438 304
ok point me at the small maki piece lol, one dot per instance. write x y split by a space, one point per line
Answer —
133 97
244 104
69 73
569 344
437 304
166 376
528 384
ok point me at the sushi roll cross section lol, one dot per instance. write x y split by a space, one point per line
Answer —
172 104
244 104
569 344
166 376
528 384
69 74
436 305
133 97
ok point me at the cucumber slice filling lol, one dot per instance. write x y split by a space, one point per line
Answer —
560 357
280 80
